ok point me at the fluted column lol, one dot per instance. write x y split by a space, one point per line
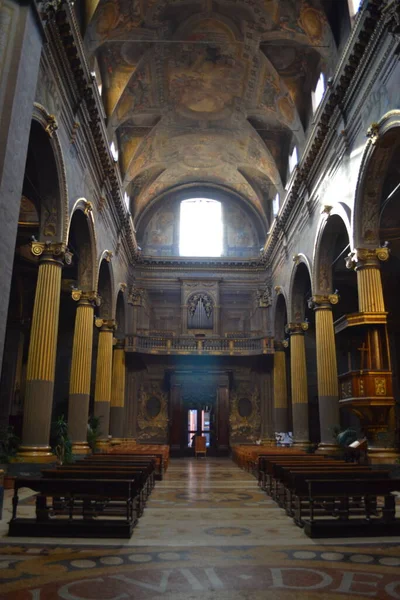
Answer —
299 386
81 367
102 392
117 410
42 353
328 388
366 263
280 388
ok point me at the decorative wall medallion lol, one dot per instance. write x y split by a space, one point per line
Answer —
153 413
244 417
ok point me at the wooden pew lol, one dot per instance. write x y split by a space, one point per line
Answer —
267 460
158 458
138 476
75 491
345 489
297 497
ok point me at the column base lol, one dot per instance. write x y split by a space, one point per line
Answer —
102 445
35 454
329 449
268 442
301 444
383 456
116 441
81 448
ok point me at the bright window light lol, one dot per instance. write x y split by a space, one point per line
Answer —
354 6
114 152
275 205
318 93
201 231
126 198
293 159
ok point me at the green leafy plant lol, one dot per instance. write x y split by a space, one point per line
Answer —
9 443
61 444
93 432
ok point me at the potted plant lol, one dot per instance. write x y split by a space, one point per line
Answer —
61 444
9 443
93 432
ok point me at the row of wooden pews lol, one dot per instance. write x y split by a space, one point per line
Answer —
129 447
246 456
329 497
102 496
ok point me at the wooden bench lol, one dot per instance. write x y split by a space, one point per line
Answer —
75 492
138 476
344 489
158 458
297 503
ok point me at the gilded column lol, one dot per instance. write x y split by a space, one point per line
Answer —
42 353
117 409
81 367
299 386
366 264
327 376
102 392
280 388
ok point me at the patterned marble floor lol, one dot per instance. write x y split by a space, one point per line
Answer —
208 533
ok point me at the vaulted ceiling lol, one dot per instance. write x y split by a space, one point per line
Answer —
214 91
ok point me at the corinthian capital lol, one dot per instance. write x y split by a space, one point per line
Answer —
106 324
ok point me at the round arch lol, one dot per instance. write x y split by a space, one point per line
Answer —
384 140
297 291
105 286
55 227
88 251
324 248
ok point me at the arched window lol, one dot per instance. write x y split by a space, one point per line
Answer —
293 160
318 93
354 7
275 205
201 230
114 152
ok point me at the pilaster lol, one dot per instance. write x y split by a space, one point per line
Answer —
117 409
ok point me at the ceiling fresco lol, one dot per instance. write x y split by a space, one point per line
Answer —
212 91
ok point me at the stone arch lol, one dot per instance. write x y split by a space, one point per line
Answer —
384 140
298 284
120 313
87 239
54 225
280 319
105 286
324 249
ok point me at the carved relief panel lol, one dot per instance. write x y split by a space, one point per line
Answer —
244 417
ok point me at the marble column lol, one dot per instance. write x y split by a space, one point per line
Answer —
299 386
81 367
280 389
117 409
102 392
327 375
20 50
42 353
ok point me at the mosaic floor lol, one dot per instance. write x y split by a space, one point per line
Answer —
208 533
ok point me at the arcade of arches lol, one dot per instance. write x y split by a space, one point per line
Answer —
113 113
